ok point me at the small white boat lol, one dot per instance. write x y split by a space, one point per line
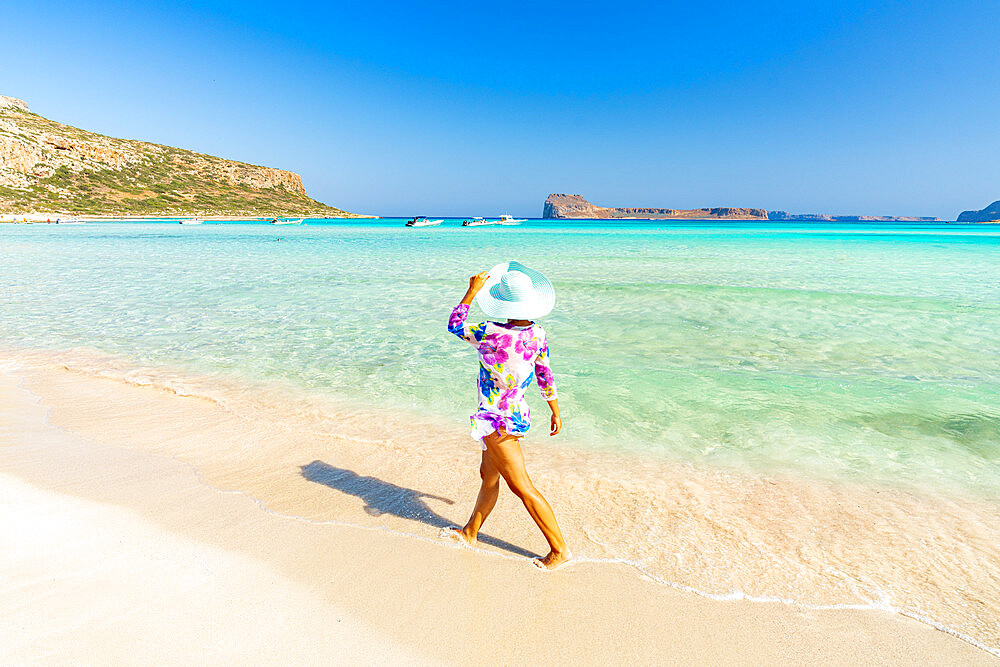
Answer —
422 221
71 222
192 221
507 219
276 221
479 222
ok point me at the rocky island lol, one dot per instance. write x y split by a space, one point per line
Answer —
575 206
48 167
989 214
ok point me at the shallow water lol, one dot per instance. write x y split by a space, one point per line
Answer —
859 352
803 414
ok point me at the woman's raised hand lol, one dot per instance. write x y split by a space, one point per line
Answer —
476 282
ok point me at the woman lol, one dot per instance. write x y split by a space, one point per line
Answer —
511 354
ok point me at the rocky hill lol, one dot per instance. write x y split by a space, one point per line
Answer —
575 206
48 167
989 214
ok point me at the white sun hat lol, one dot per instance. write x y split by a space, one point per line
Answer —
514 292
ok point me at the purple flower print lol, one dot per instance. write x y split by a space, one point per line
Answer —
494 348
458 316
506 396
544 376
526 345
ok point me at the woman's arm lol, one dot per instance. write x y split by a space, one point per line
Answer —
547 385
456 322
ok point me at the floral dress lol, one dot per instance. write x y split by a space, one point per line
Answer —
510 357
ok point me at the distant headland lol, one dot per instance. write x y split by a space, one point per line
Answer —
48 167
989 214
575 206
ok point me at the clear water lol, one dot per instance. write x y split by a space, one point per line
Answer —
861 352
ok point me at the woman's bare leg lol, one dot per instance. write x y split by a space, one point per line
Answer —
505 453
487 500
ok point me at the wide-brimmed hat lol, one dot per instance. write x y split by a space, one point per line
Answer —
514 292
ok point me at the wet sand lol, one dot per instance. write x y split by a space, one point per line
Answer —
118 547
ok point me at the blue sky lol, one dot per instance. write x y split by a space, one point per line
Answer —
477 108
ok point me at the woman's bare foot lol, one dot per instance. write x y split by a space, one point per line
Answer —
554 560
459 534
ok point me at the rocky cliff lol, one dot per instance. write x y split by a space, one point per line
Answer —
46 166
989 214
575 206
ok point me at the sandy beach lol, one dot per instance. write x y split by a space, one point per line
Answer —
121 553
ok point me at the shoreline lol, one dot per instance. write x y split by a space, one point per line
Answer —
358 480
49 218
431 593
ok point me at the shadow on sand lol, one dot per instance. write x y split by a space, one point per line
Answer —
386 498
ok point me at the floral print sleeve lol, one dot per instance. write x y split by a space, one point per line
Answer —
543 372
470 333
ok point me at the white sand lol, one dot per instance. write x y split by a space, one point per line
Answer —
124 556
94 583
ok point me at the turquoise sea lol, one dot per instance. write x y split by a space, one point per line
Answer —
861 352
792 413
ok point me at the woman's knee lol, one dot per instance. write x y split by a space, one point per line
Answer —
488 473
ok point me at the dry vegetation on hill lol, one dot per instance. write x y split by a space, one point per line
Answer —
46 166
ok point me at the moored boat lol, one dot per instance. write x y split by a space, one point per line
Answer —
422 221
507 219
191 221
479 222
277 221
